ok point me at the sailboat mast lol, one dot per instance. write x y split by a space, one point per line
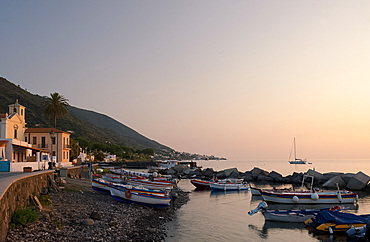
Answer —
295 155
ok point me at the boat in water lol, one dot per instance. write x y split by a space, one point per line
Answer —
337 221
290 215
229 185
296 160
309 197
200 185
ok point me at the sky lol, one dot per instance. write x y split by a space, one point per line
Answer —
237 79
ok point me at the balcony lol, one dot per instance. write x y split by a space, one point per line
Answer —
66 146
40 146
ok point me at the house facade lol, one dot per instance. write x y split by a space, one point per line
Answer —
17 149
52 141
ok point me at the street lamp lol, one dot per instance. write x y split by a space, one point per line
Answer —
51 149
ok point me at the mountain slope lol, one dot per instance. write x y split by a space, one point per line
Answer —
84 124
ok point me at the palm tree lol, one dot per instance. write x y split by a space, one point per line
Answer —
56 106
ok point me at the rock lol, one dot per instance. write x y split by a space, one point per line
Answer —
228 172
332 182
188 171
317 175
234 174
347 176
247 177
87 222
208 172
358 182
263 177
95 216
328 176
297 178
276 176
171 172
179 168
257 171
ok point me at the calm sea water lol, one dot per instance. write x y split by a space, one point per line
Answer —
210 216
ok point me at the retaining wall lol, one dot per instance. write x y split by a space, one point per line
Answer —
77 171
17 193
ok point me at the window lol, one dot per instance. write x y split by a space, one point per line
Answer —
25 139
34 140
53 140
53 153
67 155
43 143
15 134
64 141
21 112
64 154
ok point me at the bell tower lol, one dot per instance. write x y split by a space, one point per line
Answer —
17 108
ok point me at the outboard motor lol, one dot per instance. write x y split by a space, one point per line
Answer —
261 206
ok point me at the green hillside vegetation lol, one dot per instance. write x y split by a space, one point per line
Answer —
92 130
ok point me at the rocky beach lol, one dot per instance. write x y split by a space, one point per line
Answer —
77 213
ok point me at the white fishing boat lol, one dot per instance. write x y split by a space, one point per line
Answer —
156 185
296 160
308 197
125 193
255 191
229 185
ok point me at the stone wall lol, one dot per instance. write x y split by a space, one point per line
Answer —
17 196
77 171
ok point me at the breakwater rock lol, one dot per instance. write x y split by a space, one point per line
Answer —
81 214
351 181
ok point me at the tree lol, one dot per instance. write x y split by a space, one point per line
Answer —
56 106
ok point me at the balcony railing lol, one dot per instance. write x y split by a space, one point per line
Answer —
65 146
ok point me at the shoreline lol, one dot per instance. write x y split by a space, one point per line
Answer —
81 214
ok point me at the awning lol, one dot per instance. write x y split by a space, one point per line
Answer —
3 143
27 147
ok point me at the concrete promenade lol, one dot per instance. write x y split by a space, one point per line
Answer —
7 178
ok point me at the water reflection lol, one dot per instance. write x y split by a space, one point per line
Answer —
273 227
223 193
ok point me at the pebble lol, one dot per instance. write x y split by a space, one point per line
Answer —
118 221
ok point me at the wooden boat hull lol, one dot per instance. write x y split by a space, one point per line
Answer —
201 185
288 218
309 197
228 186
99 186
150 184
255 191
130 196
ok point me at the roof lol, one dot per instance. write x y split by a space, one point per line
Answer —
27 147
44 130
3 142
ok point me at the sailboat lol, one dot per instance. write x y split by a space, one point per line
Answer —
296 160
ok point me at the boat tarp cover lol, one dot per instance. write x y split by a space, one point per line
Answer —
338 217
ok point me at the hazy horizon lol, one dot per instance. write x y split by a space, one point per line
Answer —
236 79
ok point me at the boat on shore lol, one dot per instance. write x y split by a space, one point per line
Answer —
289 215
309 197
155 185
145 197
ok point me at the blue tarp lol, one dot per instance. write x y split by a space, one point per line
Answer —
338 217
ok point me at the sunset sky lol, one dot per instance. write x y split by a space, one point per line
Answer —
238 79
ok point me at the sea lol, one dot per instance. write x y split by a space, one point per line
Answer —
223 216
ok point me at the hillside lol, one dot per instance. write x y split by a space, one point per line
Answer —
85 124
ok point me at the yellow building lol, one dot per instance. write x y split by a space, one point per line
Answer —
15 152
50 140
30 147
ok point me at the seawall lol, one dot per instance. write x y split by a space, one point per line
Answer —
15 193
